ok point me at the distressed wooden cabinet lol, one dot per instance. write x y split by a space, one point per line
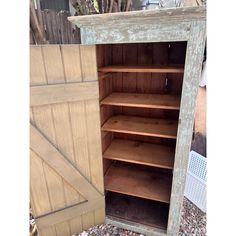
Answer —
112 120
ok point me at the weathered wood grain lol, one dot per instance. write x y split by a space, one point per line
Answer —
161 15
193 65
60 164
58 93
56 72
135 33
69 212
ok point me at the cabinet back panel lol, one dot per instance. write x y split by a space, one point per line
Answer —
149 83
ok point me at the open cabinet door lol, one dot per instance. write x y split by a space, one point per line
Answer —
66 177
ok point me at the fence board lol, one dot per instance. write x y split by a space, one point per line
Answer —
57 29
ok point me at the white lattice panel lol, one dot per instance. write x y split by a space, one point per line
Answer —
195 188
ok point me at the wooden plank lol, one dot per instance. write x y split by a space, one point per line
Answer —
141 153
53 63
142 126
117 78
67 213
117 58
82 153
57 196
94 144
190 3
176 54
135 33
48 23
89 73
38 186
49 231
105 86
55 184
160 56
129 81
135 227
37 70
143 68
192 74
130 52
43 121
79 135
60 116
140 183
102 76
89 63
99 216
76 225
72 62
55 27
88 220
143 100
163 15
65 145
58 93
95 159
144 57
58 162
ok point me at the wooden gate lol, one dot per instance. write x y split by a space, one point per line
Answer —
66 179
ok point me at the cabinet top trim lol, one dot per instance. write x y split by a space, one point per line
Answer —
163 15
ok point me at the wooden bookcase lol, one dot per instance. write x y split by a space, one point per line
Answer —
140 89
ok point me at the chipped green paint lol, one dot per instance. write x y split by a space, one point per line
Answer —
192 72
134 33
171 15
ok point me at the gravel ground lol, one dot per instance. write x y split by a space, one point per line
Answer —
193 223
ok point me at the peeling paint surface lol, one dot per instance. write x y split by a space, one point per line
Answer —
135 33
192 72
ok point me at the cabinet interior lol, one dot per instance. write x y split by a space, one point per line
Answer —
140 88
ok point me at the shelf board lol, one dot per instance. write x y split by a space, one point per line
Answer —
140 183
102 75
143 68
141 153
171 102
142 126
139 210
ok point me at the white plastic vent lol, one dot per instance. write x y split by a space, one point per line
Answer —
195 188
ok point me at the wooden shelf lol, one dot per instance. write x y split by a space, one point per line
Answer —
102 75
139 210
140 183
143 68
142 126
141 153
171 102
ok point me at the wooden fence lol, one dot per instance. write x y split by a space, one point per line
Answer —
57 29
